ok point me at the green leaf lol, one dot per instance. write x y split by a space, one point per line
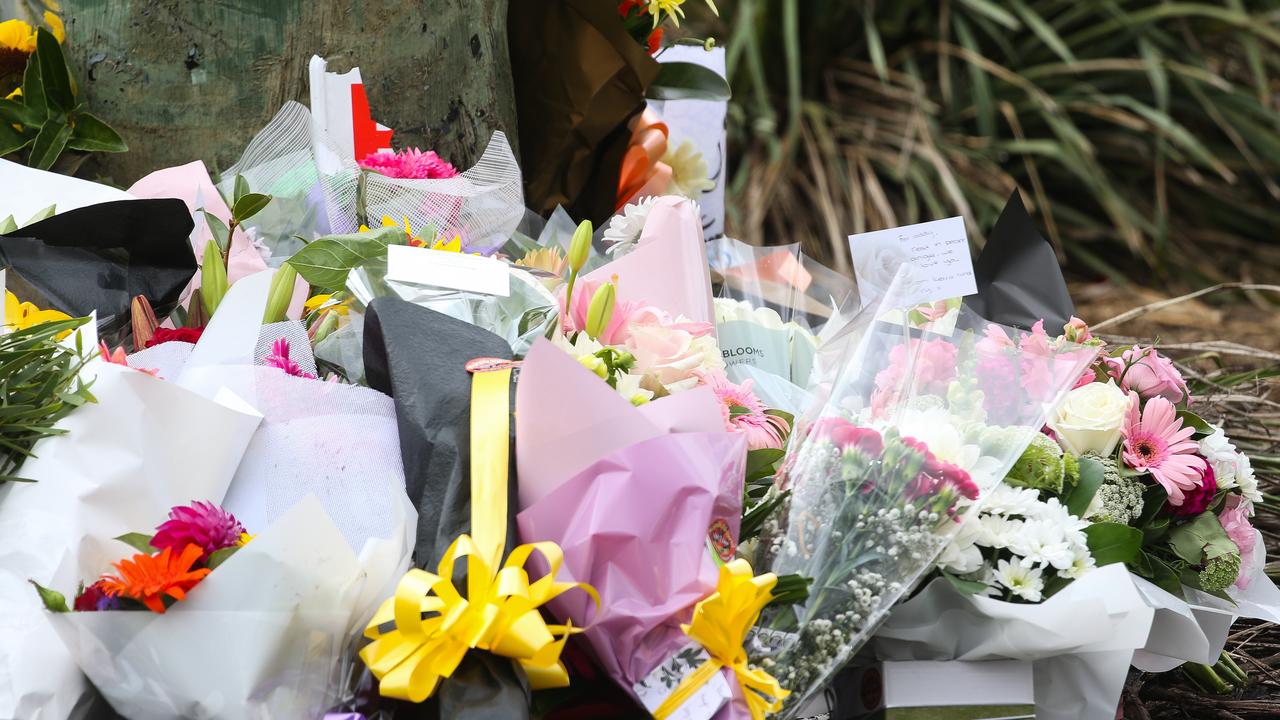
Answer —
53 600
993 11
16 112
42 215
1191 419
221 233
89 134
8 225
1091 476
683 80
326 262
1153 501
1165 577
762 462
33 90
248 205
138 541
241 188
1113 543
1155 530
49 144
966 587
11 140
1203 538
220 556
1044 31
53 72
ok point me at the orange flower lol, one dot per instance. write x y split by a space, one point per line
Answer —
147 578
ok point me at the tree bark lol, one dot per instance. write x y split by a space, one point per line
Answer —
194 79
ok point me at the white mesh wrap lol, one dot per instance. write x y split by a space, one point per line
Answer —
295 333
484 203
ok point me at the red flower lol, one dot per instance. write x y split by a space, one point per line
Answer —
655 41
1197 500
182 334
94 598
844 434
626 6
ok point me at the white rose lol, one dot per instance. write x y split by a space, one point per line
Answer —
1090 417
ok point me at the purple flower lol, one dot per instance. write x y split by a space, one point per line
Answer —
200 523
279 358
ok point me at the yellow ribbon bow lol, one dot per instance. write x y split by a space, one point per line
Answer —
720 624
421 634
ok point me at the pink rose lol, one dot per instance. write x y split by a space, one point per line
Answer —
1149 374
933 365
1197 500
1076 330
672 355
1235 520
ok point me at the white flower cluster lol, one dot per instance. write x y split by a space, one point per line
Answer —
1231 468
1016 542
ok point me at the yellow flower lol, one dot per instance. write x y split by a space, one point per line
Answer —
670 7
16 35
22 315
17 93
244 539
547 259
688 171
454 245
315 302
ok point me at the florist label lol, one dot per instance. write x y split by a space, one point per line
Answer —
937 251
455 271
746 343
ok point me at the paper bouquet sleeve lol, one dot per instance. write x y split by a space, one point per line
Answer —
579 77
258 637
118 467
668 269
128 248
635 525
1079 641
418 356
1018 275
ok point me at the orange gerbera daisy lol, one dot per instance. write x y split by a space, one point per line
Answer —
147 578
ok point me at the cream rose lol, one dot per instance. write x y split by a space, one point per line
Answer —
1090 417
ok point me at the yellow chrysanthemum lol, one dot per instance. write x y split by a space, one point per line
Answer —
315 302
22 315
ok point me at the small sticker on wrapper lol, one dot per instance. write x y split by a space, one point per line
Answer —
703 704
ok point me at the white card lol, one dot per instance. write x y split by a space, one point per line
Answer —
3 287
703 704
456 271
701 122
938 251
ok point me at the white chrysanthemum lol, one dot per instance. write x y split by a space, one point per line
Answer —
962 555
1081 563
1043 543
1008 500
1221 454
997 532
623 231
1021 579
689 175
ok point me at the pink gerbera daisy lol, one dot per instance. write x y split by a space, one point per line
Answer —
279 358
412 164
1155 440
743 412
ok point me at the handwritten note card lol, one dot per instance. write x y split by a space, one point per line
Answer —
937 252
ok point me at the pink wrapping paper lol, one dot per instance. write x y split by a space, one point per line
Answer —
567 418
191 184
668 269
635 526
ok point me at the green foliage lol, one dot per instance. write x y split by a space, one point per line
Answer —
46 119
1138 129
39 385
53 600
1113 543
325 262
138 541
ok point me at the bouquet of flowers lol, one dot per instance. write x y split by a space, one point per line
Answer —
914 429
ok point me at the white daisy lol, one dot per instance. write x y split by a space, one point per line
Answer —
623 231
1021 579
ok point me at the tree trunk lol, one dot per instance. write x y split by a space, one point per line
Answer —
191 79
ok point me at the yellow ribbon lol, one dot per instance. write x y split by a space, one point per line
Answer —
421 634
720 624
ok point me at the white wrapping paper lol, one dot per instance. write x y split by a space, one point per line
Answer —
258 638
1080 641
145 446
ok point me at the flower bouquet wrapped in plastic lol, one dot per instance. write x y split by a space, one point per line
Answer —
914 427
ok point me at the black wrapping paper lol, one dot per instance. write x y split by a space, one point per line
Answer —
99 257
579 78
418 357
1018 276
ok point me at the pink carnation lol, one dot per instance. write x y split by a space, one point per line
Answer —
200 523
410 164
1235 520
844 435
1197 500
1148 373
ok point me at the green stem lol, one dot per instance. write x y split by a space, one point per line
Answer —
362 211
1204 677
